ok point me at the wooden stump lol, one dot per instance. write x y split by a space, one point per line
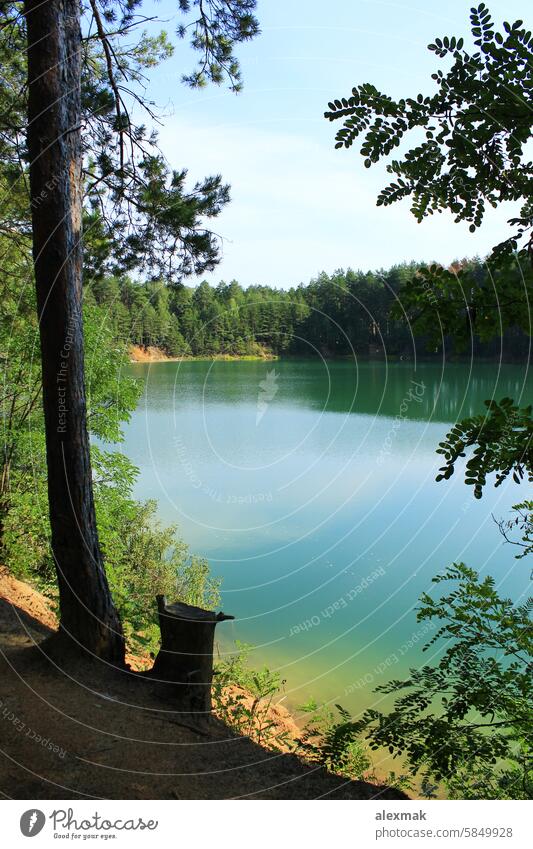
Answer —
186 654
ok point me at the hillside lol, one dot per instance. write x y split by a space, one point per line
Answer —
86 731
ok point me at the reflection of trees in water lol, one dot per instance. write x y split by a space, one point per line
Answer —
371 388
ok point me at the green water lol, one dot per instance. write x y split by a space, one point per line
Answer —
312 493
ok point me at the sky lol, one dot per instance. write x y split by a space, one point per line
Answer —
299 206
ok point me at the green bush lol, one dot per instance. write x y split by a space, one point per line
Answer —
466 722
243 697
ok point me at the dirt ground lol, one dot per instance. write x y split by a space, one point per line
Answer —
85 730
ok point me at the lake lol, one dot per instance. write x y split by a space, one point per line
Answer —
310 487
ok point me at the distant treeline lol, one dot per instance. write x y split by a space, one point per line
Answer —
333 315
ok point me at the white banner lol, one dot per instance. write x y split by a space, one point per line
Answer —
278 824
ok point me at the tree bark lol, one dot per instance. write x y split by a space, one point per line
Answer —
88 616
186 654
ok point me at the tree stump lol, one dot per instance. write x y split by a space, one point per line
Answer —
186 654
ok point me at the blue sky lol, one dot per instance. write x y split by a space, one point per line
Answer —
298 205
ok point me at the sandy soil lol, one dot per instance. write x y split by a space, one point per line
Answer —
151 354
85 730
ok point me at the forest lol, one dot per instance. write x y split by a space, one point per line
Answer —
338 315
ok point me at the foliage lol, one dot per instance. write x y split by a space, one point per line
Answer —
476 127
466 721
503 440
468 301
25 537
242 698
139 214
523 520
21 374
214 32
111 398
333 742
331 739
148 215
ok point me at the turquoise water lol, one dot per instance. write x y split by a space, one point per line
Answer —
310 487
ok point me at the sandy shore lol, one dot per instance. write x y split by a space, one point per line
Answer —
152 354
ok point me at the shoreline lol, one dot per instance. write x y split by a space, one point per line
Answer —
179 766
152 354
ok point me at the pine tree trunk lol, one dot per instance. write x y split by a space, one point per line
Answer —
88 616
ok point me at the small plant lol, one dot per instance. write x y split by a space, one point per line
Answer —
243 699
523 522
333 740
